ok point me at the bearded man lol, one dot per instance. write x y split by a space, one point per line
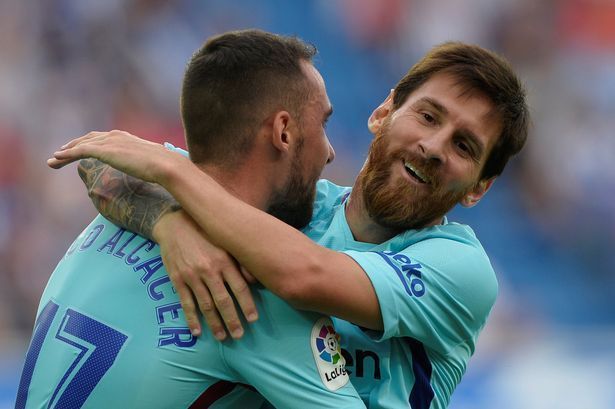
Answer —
409 288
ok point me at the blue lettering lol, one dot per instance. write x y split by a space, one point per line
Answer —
412 270
413 284
120 253
180 337
112 242
132 259
151 289
92 236
417 287
170 308
150 267
402 258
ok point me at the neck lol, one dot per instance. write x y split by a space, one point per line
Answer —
249 187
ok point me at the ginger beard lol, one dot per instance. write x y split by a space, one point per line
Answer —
395 203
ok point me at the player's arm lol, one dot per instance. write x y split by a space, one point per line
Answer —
125 200
282 258
287 262
194 265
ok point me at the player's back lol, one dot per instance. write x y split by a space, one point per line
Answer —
110 333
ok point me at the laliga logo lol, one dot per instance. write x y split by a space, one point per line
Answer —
327 343
327 354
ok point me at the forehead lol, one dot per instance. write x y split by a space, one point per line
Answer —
468 110
318 91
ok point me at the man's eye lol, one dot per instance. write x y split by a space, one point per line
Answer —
463 146
429 118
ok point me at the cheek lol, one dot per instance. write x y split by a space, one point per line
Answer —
315 159
405 130
461 178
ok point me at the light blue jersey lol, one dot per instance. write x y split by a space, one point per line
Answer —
110 333
435 287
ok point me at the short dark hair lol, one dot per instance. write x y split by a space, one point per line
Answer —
233 83
477 70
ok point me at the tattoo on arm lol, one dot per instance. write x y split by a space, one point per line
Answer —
127 201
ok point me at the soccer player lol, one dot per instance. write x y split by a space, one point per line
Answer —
109 333
418 287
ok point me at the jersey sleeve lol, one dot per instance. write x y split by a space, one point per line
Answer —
174 148
438 291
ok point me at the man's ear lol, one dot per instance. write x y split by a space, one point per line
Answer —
377 117
281 132
474 196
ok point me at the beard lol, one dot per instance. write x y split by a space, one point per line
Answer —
294 204
395 203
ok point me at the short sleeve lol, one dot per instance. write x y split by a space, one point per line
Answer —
438 291
173 148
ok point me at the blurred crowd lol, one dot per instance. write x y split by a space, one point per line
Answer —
70 66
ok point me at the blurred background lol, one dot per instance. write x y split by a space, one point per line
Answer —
70 66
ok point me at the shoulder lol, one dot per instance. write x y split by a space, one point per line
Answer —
330 193
436 285
453 255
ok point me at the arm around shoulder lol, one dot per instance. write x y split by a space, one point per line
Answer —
332 283
125 200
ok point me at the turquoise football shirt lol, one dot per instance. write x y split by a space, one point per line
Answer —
435 287
110 333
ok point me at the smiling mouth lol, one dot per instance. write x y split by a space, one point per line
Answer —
415 173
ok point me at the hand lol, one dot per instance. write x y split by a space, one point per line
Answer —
130 154
248 276
199 270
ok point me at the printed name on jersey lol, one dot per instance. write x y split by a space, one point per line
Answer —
408 272
325 343
122 244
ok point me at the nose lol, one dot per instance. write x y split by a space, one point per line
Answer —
433 146
331 153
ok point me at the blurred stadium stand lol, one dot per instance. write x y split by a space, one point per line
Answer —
70 66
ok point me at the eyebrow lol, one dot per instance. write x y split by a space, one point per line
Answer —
463 132
434 104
